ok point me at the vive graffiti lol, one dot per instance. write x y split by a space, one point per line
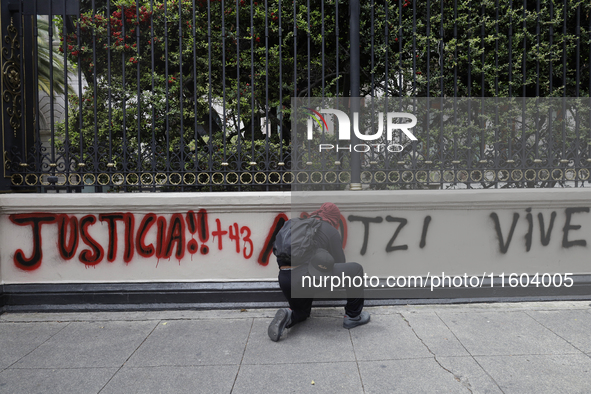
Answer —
545 232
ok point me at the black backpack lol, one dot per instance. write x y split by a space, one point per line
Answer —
294 243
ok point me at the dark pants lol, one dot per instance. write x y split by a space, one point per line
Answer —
301 307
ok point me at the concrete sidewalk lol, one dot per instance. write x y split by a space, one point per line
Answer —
478 348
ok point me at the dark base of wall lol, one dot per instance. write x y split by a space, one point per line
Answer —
231 295
137 296
1 299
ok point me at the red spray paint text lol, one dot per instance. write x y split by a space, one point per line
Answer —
171 236
181 233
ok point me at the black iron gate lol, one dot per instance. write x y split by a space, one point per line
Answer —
195 95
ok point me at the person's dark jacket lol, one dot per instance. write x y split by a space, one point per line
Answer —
328 238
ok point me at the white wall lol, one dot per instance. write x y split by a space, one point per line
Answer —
460 236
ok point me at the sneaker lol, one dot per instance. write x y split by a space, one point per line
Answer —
281 319
350 322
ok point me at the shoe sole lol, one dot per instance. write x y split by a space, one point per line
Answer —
278 325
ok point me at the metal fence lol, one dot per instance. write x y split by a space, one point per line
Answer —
196 95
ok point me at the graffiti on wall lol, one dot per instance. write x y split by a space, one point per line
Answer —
568 230
128 236
192 233
396 228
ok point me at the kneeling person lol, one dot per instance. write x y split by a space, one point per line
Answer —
329 253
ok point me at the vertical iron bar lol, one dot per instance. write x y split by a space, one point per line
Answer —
564 85
510 69
413 158
414 49
295 57
322 158
66 152
252 81
139 96
387 52
182 130
94 91
497 144
510 64
337 44
309 55
280 109
110 108
238 118
22 120
524 94
428 58
550 162
469 32
322 37
355 89
537 131
223 83
23 112
372 32
37 142
577 90
524 57
482 60
496 48
441 55
455 138
153 155
455 55
123 107
82 162
482 90
589 92
578 56
427 155
308 30
550 37
267 120
166 99
387 71
400 90
196 167
538 49
210 108
338 156
51 109
469 85
442 94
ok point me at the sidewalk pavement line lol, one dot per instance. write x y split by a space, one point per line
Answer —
476 361
243 353
58 331
564 339
456 377
356 362
127 359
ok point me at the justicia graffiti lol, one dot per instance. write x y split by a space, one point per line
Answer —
174 236
191 232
